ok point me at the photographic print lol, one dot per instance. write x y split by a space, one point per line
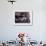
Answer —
23 18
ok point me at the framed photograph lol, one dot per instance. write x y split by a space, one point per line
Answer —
23 18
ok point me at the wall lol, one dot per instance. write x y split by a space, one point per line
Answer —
9 31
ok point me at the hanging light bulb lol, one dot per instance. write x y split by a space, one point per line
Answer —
12 1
